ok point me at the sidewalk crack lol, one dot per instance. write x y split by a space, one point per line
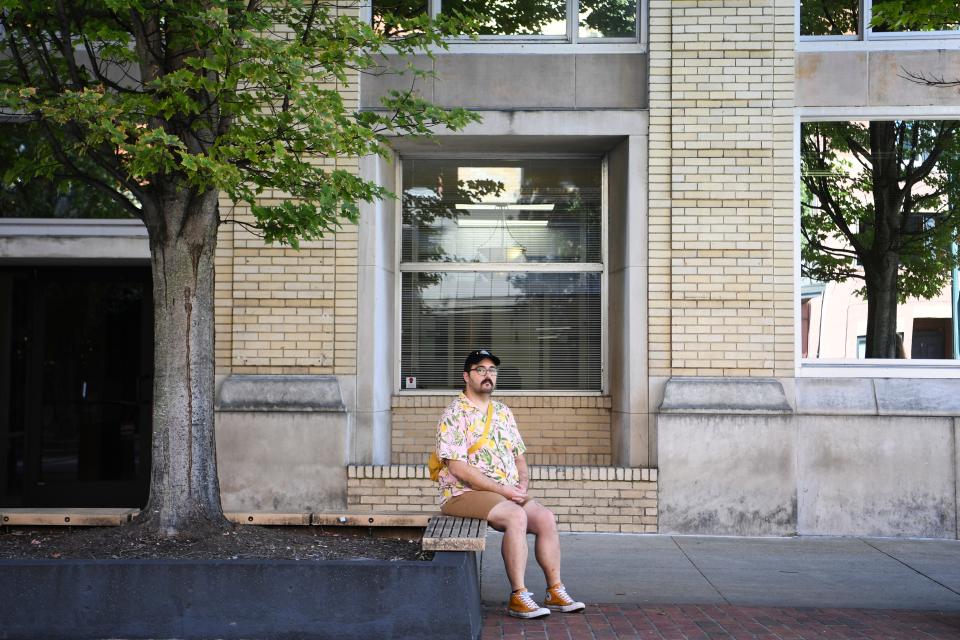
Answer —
694 564
914 569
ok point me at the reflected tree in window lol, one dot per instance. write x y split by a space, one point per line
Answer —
829 17
397 18
513 17
879 204
425 208
915 15
596 18
608 18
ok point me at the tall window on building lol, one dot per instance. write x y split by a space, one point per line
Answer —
880 225
552 20
878 19
507 255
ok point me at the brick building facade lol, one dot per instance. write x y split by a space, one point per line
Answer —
701 415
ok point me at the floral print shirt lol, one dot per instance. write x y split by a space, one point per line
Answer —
460 426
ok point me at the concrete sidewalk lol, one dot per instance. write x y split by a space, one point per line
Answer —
872 573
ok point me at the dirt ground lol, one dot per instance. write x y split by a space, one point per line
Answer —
239 542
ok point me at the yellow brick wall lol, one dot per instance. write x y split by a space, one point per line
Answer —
556 429
721 187
609 499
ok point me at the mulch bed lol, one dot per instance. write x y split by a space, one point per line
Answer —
235 543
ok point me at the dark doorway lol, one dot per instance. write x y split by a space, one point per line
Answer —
76 375
932 338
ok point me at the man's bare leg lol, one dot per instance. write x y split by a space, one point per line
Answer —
542 523
511 519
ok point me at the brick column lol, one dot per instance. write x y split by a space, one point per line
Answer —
721 187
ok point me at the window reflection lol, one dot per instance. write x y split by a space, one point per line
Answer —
501 211
595 18
915 15
514 17
608 18
829 17
545 327
388 14
879 231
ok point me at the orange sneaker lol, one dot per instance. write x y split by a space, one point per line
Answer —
558 599
522 605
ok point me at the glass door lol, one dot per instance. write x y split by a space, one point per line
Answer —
78 365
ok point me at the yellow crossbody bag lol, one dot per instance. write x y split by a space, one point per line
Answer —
435 464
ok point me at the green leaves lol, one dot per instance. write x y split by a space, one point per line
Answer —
913 15
213 95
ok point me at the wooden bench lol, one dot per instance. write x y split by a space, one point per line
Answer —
87 517
448 533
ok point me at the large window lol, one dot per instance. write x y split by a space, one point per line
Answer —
508 255
880 225
550 21
878 19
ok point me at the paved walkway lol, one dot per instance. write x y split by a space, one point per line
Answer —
680 587
708 622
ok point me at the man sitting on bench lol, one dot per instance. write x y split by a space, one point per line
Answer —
485 476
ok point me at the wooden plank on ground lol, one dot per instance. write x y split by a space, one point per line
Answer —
359 519
447 533
268 518
72 517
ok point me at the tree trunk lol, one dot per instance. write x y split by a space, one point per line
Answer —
881 270
184 489
882 287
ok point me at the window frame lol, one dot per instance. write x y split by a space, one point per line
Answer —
571 37
865 35
402 267
855 368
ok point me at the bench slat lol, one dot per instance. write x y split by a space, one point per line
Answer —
371 519
78 517
447 533
268 518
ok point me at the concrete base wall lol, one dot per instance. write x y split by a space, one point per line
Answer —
852 462
287 462
876 476
277 599
727 474
282 443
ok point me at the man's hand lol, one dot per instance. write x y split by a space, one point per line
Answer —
515 494
475 479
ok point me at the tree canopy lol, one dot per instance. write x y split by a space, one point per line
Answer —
238 96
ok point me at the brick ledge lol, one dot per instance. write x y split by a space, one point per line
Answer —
537 472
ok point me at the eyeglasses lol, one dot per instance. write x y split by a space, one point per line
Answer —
485 370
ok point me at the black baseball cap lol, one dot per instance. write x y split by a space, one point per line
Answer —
479 355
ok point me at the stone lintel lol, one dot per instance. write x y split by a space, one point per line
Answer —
724 395
281 393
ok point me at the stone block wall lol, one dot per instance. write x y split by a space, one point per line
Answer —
564 430
607 499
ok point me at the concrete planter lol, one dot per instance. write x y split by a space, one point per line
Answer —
266 599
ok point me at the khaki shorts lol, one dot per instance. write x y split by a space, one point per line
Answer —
472 504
